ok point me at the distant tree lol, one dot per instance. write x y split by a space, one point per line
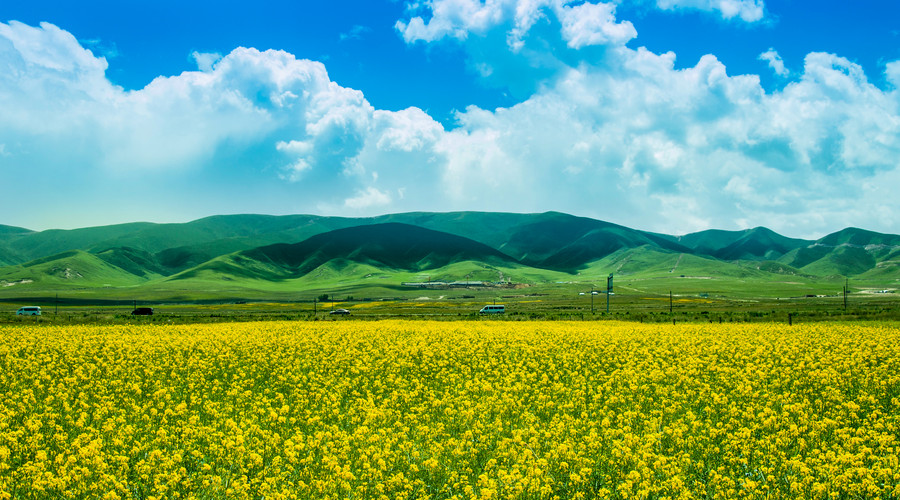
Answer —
323 297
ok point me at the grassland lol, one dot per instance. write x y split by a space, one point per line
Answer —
635 300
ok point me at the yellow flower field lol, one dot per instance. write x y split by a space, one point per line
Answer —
493 409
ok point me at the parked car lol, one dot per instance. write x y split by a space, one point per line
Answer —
340 312
493 309
29 311
142 311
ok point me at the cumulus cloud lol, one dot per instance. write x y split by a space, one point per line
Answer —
688 148
368 198
748 10
407 130
205 60
582 24
775 62
593 24
55 89
629 138
248 115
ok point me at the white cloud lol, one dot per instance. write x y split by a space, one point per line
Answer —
406 130
55 90
682 150
629 138
892 72
748 10
454 18
775 62
367 199
582 24
593 24
205 60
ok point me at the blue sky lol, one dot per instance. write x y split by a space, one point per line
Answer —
665 115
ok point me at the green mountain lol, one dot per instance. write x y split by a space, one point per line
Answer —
860 237
848 252
392 246
230 255
13 230
137 262
551 239
842 261
758 243
215 235
8 256
72 269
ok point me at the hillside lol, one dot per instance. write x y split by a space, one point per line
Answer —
216 235
759 243
860 237
232 254
73 269
8 256
848 252
13 230
550 240
391 246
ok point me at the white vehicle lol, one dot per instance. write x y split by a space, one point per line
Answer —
498 309
29 311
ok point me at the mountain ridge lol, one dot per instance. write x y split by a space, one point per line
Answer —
283 248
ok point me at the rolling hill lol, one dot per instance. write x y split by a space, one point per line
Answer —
759 243
72 269
392 246
848 252
262 251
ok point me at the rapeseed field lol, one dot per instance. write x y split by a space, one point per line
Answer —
493 409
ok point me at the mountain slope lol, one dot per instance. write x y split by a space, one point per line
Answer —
843 261
383 246
217 235
550 240
860 237
69 269
261 247
8 234
13 230
759 243
848 252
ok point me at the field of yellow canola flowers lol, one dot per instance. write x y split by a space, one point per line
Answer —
493 409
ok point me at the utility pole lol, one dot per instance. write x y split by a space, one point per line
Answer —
56 311
670 301
315 299
592 299
846 291
609 289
